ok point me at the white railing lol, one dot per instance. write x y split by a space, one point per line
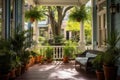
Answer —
58 51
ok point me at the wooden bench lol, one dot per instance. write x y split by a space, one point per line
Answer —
84 60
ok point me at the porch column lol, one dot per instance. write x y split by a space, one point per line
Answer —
82 37
94 24
35 31
18 14
7 18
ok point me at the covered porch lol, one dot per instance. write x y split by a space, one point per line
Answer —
57 70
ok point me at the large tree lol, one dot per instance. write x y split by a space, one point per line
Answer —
56 15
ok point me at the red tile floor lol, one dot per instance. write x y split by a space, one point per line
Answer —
56 71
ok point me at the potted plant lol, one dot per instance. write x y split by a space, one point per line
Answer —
18 66
33 14
14 65
111 56
5 64
98 65
49 54
35 54
6 59
25 56
78 14
68 51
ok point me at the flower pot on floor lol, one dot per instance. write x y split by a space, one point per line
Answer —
18 71
12 74
66 60
110 72
100 75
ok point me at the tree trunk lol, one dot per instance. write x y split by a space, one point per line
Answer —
56 23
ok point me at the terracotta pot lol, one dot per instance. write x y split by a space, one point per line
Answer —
23 69
31 61
27 66
5 76
100 75
18 71
49 60
41 59
110 73
37 60
12 74
66 60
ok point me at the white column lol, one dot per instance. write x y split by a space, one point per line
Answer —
35 31
82 37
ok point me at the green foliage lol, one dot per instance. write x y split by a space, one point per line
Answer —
35 52
73 26
112 51
113 39
18 62
69 49
34 13
25 56
20 41
78 14
98 62
5 44
6 61
58 39
49 52
43 40
88 32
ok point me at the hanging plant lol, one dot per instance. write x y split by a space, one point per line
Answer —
33 14
78 14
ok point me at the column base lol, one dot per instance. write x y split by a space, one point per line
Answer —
82 46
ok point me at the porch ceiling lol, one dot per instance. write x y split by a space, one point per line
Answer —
60 2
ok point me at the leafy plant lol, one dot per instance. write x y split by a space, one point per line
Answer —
58 39
34 13
98 62
20 41
25 56
69 49
78 14
5 44
112 50
6 61
49 52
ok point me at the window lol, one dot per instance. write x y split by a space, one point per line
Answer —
102 21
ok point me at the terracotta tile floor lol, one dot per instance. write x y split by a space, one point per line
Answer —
56 71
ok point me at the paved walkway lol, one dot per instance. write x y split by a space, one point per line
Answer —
55 71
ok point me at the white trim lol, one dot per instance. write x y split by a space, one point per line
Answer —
60 2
